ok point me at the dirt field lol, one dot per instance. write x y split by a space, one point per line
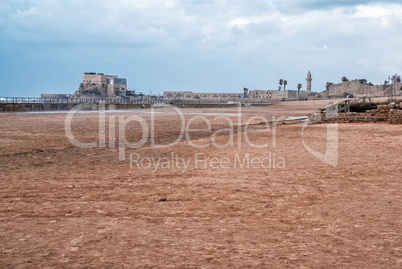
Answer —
214 200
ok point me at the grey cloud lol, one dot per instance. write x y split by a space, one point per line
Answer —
199 45
296 6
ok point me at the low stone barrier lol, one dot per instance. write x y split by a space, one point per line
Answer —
25 107
395 116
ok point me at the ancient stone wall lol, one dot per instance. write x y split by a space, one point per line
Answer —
357 87
384 113
260 95
187 95
203 105
395 116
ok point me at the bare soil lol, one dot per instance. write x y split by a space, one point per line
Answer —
67 206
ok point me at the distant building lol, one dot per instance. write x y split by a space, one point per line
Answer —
188 95
55 96
101 85
260 95
272 94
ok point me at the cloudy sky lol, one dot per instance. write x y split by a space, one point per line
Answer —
196 45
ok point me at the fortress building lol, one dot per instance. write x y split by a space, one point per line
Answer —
101 85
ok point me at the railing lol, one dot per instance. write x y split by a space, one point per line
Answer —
37 100
160 102
215 102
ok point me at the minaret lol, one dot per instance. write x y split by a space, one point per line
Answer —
309 79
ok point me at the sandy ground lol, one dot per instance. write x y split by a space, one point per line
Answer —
233 205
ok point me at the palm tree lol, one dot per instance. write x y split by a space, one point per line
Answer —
396 78
299 86
280 83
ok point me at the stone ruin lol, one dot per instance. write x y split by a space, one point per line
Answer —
360 87
91 90
340 113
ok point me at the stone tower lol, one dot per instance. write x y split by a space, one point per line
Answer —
309 79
